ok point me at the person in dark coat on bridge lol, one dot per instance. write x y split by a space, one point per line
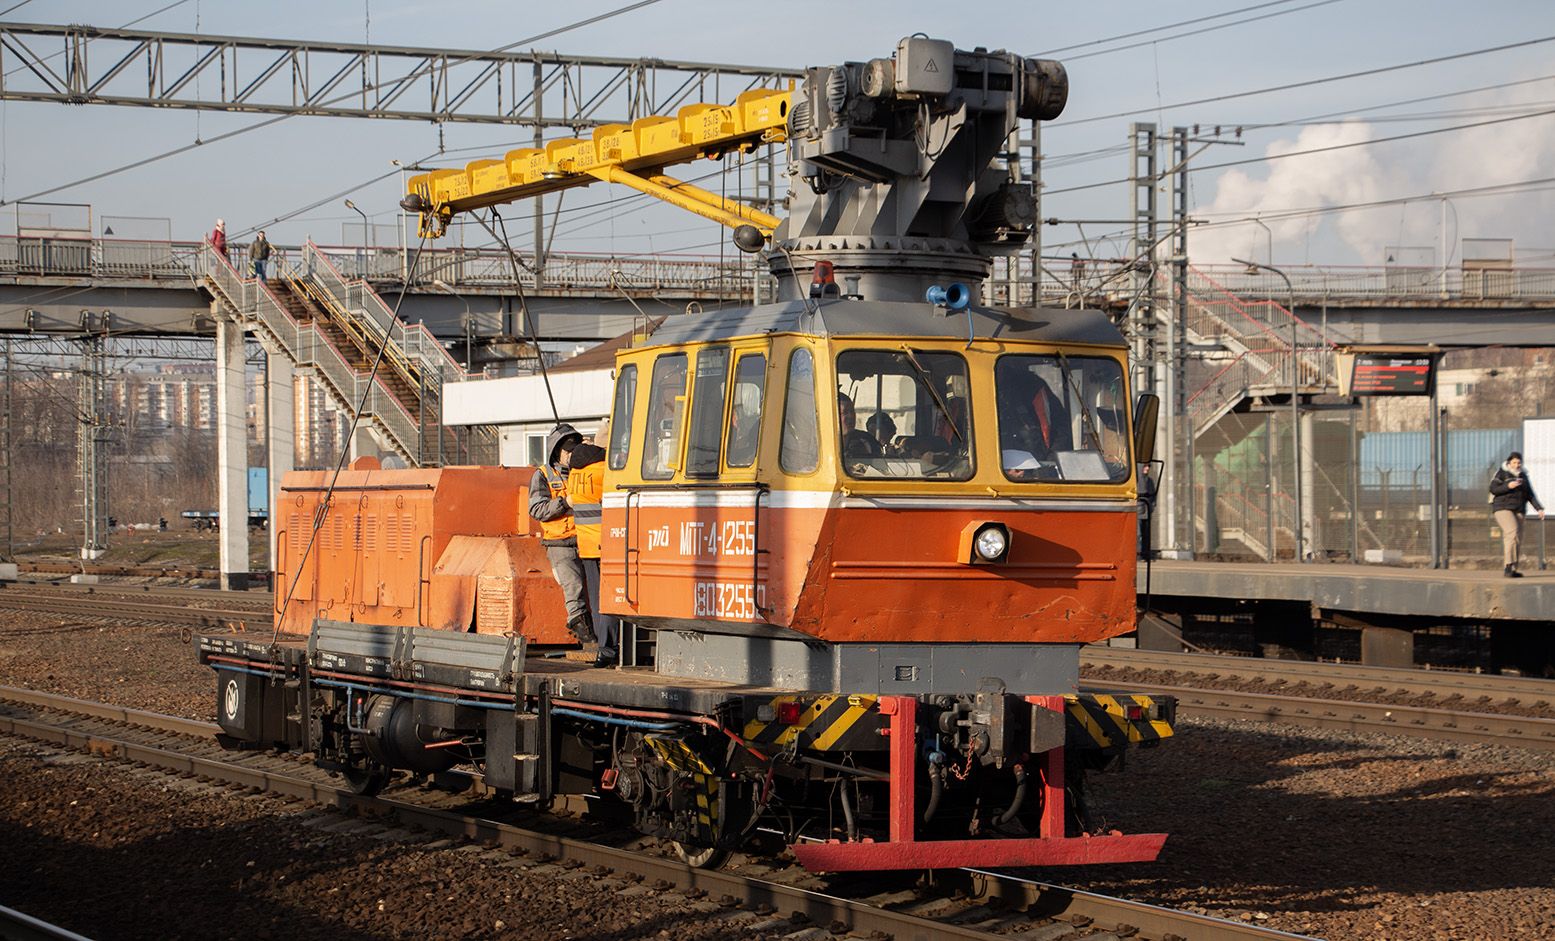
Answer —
1510 493
259 254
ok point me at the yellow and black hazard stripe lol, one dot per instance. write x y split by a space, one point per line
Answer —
680 756
1100 720
825 723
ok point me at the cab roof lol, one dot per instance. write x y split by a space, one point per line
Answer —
841 317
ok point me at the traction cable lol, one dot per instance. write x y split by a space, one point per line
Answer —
329 492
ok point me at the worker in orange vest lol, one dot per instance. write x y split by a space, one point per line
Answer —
558 534
585 491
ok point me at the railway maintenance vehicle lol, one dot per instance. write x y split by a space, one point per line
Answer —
857 535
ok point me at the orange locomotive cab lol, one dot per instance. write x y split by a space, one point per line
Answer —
808 473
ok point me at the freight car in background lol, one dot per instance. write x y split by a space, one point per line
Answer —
858 535
258 505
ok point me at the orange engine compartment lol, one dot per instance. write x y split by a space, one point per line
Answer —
451 548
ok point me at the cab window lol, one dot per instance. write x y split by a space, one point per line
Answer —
903 413
800 451
750 379
707 411
666 401
1061 418
621 416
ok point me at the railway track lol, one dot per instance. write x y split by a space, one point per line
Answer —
104 568
1340 696
1320 695
957 904
193 607
1414 681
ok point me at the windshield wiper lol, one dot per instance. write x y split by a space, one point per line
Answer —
924 377
1085 412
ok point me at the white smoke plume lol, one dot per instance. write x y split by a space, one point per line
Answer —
1413 169
1313 181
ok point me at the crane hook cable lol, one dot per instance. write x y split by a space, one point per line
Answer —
323 508
523 305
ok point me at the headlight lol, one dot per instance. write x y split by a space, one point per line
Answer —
991 543
983 543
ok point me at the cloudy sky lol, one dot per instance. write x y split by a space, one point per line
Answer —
1353 142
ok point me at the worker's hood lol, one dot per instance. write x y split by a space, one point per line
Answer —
585 454
554 440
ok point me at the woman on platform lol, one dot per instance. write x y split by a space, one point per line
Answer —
1510 492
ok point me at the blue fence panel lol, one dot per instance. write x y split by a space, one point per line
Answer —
1404 457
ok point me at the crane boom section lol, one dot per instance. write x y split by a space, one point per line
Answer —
634 154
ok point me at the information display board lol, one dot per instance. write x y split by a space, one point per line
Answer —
1387 371
1392 375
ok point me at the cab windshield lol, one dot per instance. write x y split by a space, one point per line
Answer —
1061 418
903 413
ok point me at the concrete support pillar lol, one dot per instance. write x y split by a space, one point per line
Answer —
281 416
1311 537
232 453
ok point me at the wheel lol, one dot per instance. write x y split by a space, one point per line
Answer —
367 778
701 857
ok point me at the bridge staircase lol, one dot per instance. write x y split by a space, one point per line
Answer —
335 328
1260 350
1247 351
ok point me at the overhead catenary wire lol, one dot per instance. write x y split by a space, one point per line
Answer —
1077 157
1158 29
279 118
1290 86
1495 189
1198 32
1317 150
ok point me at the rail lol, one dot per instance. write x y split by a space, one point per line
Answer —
137 737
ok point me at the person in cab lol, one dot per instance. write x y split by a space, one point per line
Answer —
855 443
1033 427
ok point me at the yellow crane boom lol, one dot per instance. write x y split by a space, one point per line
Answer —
633 154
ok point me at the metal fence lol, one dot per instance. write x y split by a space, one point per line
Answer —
1363 483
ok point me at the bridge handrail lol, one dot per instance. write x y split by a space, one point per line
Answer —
140 259
358 297
309 346
1456 283
1054 280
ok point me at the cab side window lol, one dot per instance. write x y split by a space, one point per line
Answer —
750 380
621 416
666 405
707 412
800 451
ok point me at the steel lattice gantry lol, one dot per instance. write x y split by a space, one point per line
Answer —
274 76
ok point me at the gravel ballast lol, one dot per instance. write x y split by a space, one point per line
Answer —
1334 835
